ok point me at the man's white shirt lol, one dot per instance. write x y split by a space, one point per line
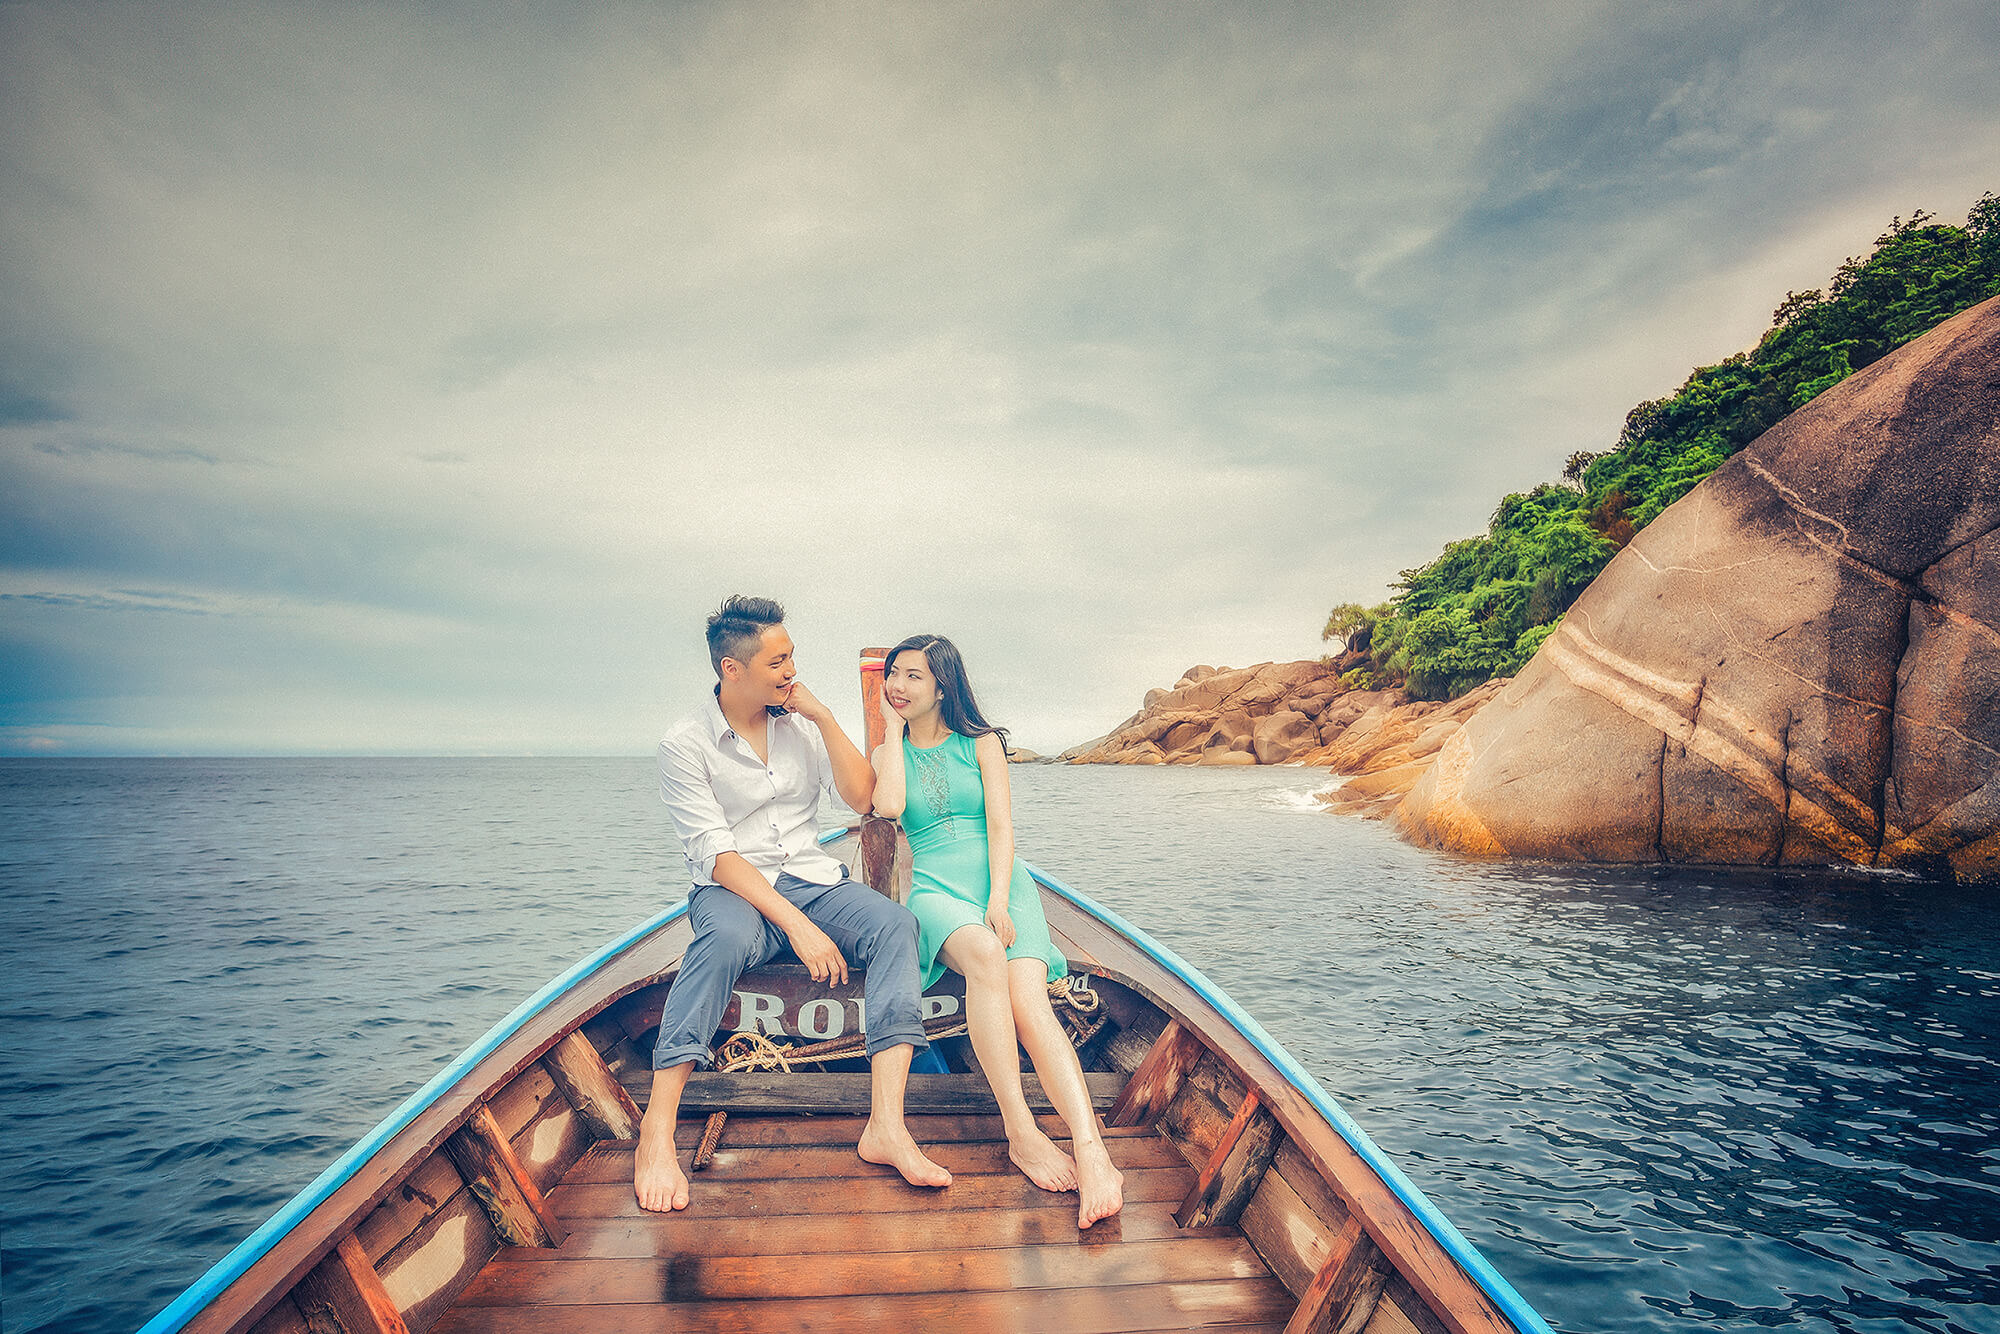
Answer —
724 799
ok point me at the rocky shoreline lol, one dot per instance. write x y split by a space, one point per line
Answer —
1294 713
1797 663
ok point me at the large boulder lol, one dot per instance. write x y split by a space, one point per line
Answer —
1210 690
1216 712
1795 663
1233 730
1282 735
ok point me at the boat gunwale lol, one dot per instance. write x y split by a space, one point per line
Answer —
471 1078
195 1305
198 1305
1488 1281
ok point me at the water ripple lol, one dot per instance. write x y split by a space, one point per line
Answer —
1657 1099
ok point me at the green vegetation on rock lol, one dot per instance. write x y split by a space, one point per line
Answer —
1484 606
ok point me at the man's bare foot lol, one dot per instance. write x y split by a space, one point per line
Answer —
894 1148
657 1178
1102 1189
1041 1161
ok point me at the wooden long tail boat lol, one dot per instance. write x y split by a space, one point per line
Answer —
499 1196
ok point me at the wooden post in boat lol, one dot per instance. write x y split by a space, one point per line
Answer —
1342 1296
1230 1176
885 852
1158 1077
495 1175
591 1088
874 662
344 1295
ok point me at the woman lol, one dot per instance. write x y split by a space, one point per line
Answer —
943 772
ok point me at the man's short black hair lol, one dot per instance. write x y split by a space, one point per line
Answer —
738 627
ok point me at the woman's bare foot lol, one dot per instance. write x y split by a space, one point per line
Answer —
894 1148
1102 1192
1041 1161
657 1178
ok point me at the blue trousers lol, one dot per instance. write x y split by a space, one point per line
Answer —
731 937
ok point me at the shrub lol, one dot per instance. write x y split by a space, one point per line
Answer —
1487 603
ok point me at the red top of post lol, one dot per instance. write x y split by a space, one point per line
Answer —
872 662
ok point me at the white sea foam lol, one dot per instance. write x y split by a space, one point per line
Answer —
1302 800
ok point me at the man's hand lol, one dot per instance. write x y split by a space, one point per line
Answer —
818 953
807 705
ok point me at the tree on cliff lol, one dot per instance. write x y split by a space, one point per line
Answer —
1484 606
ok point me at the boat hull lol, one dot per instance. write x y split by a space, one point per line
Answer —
520 1154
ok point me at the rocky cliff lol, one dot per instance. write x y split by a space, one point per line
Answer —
1266 714
1795 663
1285 713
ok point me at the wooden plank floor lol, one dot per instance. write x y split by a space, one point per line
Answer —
789 1230
848 1091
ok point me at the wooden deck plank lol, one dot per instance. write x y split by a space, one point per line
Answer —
270 1277
888 1193
777 1276
1440 1284
1216 1305
1167 1306
847 1092
746 1129
610 1160
1049 1222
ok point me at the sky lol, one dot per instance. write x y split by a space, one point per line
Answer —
382 379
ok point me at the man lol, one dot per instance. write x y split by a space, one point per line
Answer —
741 777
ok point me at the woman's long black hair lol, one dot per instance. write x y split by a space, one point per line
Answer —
955 699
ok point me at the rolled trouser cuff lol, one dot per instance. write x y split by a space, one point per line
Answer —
879 1042
682 1054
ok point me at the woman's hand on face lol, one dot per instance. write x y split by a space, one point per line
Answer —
1000 924
891 720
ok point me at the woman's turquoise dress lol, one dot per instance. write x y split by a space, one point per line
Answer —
944 814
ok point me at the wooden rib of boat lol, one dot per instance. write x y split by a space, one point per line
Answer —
499 1197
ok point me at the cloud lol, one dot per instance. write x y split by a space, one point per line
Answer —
122 599
461 360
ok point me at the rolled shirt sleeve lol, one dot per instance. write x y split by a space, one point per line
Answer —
697 815
822 762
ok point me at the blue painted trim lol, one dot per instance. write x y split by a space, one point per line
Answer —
1454 1242
253 1247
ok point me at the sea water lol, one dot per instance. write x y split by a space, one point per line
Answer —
1656 1099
